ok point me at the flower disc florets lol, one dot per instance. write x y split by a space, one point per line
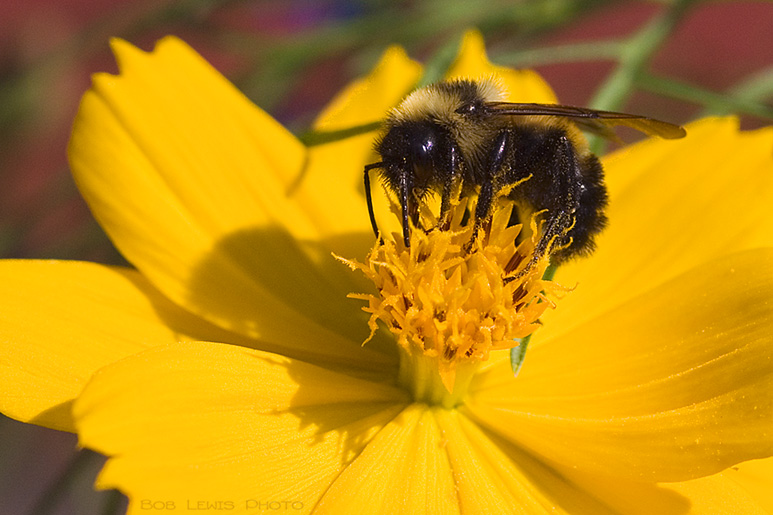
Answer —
452 299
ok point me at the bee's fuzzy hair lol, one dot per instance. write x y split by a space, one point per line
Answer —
439 101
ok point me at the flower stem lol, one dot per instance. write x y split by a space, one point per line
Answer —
314 138
635 55
575 52
713 101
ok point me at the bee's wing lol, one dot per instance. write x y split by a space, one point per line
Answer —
599 122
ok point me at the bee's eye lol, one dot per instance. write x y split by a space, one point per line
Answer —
424 146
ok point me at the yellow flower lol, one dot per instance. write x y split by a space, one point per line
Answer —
651 378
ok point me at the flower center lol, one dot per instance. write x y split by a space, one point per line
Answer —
450 301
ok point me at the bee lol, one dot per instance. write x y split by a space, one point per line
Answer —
461 136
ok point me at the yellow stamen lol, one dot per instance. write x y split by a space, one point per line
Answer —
450 306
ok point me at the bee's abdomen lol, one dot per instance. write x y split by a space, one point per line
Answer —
589 216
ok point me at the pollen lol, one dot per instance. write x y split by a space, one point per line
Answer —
452 300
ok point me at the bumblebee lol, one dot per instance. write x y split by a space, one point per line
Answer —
461 136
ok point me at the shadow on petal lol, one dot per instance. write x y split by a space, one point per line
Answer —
350 407
289 295
578 492
57 417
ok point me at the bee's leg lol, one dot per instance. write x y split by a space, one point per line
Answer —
501 153
554 228
589 218
449 185
369 198
557 186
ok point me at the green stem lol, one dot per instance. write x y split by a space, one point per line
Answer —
713 101
313 138
757 87
635 55
440 61
590 51
752 91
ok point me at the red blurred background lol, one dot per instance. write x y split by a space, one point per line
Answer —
48 49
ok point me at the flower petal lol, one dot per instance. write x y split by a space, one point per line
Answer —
521 85
673 385
368 99
331 188
62 321
178 421
673 205
720 494
186 176
494 476
403 469
712 495
755 477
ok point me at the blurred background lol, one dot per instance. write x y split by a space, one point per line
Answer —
674 60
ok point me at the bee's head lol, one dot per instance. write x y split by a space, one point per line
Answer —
432 120
417 149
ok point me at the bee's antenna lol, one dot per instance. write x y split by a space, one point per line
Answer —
369 198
